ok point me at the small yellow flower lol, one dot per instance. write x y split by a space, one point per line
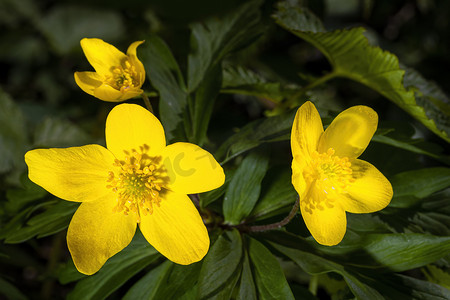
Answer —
137 179
117 76
327 175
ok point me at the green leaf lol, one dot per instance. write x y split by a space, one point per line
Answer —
211 196
255 133
214 38
9 291
204 100
54 132
53 220
20 197
400 252
221 265
180 282
420 183
147 286
351 56
116 271
165 76
12 134
243 190
278 193
270 280
65 25
239 80
310 262
247 289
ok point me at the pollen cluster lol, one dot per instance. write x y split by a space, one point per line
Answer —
123 79
328 175
137 181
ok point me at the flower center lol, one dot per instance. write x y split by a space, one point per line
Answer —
327 173
123 79
137 181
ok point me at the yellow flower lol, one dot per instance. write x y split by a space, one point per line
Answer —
117 76
136 179
327 175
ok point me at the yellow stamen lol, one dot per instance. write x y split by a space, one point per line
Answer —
329 174
137 181
123 78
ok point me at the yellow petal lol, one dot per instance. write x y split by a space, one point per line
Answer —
96 233
73 174
106 92
176 229
131 52
102 56
130 126
191 169
298 181
326 224
306 131
88 81
350 132
370 192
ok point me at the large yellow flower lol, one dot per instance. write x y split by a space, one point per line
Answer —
117 76
137 179
327 175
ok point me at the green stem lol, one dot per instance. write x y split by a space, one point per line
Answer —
276 225
147 102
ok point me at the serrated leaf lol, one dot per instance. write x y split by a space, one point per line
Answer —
147 286
277 194
20 197
116 271
220 265
351 56
243 190
254 134
270 280
437 276
65 25
12 134
54 132
165 76
214 38
239 80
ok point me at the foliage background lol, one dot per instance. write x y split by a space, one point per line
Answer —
231 62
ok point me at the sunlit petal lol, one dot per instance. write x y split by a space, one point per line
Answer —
298 181
101 55
176 229
370 192
73 174
306 131
350 132
191 169
96 233
130 126
325 220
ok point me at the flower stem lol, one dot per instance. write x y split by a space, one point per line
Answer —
147 102
277 225
313 284
196 199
